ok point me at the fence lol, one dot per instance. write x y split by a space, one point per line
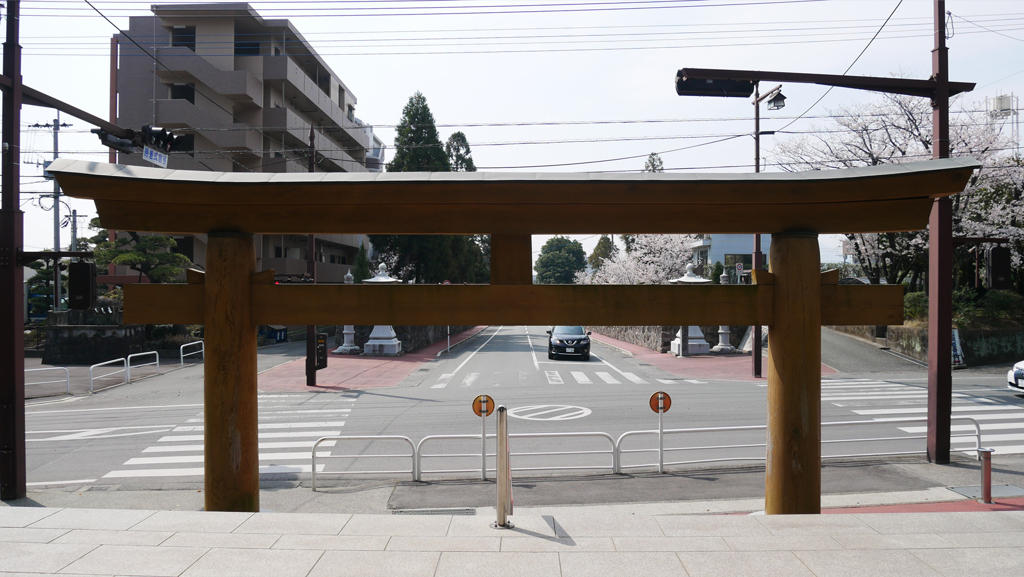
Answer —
419 454
128 372
183 354
66 379
93 377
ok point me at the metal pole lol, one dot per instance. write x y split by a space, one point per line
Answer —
311 270
483 439
12 319
940 263
504 472
56 220
661 433
986 475
755 352
74 230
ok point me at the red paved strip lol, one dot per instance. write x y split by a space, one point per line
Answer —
966 505
351 372
712 367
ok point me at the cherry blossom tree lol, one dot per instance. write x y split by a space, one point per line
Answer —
653 259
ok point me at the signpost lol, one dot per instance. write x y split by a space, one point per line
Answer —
660 403
483 406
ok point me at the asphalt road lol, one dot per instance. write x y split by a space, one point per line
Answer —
148 435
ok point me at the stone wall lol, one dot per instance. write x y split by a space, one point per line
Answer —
869 332
90 337
981 347
413 337
655 338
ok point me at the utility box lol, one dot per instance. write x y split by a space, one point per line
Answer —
321 351
997 268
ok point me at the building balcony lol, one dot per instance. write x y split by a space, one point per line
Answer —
235 85
183 114
295 131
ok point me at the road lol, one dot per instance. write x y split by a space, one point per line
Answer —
149 434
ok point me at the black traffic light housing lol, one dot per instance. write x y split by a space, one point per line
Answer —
124 145
713 87
997 268
81 285
157 138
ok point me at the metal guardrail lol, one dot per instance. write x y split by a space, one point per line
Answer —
412 455
418 453
128 372
67 377
182 354
124 369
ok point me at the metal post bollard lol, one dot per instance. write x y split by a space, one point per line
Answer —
986 475
504 472
483 439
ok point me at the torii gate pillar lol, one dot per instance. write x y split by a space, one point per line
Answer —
230 413
793 470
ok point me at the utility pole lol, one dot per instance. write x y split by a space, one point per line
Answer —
311 270
56 126
12 276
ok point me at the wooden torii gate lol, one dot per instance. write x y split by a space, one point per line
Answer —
794 299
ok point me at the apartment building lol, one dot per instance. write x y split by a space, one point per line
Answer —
242 93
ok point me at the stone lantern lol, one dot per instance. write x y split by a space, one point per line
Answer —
723 345
693 343
383 340
349 346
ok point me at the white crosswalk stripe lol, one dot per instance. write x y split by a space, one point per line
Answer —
581 378
553 377
470 379
635 379
607 378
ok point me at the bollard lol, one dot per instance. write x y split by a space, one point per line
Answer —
504 472
986 475
661 432
483 438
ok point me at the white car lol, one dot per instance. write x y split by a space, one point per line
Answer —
1015 378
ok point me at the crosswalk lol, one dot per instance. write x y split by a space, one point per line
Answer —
285 440
1002 424
607 377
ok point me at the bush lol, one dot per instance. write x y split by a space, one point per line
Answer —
965 306
1001 304
915 306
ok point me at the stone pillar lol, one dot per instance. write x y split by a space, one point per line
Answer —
793 471
231 446
724 346
348 347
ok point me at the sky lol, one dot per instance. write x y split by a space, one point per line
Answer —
553 85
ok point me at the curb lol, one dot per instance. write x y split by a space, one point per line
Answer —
609 345
457 343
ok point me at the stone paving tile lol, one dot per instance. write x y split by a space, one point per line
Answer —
134 560
711 526
744 564
670 544
222 540
914 541
396 525
558 544
783 543
984 539
23 516
102 537
599 524
480 526
294 523
40 557
25 535
378 564
995 522
874 562
975 562
193 521
815 525
253 563
406 543
512 564
333 542
106 519
908 523
621 564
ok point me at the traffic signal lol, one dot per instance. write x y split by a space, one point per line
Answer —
712 87
82 285
997 268
157 138
109 140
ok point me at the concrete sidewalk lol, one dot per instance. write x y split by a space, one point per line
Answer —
560 541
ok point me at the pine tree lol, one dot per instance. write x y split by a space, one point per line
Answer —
654 163
602 252
150 254
417 145
460 157
361 268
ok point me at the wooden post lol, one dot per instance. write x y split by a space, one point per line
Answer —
231 446
793 471
511 261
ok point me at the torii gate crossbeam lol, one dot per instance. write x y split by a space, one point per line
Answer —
794 299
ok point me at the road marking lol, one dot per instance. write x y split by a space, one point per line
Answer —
893 397
581 378
637 380
440 385
666 381
443 381
986 439
90 434
696 382
199 471
308 411
272 445
142 408
199 458
960 428
608 378
192 438
880 386
553 377
191 428
470 379
989 417
75 482
552 412
925 410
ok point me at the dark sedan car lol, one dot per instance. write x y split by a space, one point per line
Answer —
569 341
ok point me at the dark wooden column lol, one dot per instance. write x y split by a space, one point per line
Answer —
511 259
231 445
793 471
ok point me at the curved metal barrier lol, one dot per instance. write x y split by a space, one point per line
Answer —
67 377
124 369
411 455
182 354
128 370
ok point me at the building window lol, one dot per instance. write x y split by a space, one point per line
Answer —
184 92
277 51
351 113
247 48
184 36
332 259
343 259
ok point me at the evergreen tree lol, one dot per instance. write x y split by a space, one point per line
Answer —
361 268
460 158
417 146
602 252
40 287
628 240
559 261
654 163
149 254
